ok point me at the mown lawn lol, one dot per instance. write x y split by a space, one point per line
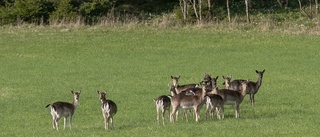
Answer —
40 65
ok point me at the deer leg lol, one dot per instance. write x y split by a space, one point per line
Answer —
56 122
163 111
196 111
64 122
177 113
70 121
53 123
111 121
158 114
185 113
237 111
252 99
218 109
207 111
174 111
105 121
212 111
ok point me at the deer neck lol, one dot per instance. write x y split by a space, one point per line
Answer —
243 90
103 101
226 84
75 103
258 83
214 90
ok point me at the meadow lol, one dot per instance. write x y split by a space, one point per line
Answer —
41 65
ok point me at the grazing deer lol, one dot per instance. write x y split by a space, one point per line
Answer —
64 109
232 97
180 88
108 108
195 102
162 103
214 102
252 88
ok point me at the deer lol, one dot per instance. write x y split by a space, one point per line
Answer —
173 92
232 97
214 102
195 102
180 88
252 88
108 108
226 82
63 109
163 104
207 77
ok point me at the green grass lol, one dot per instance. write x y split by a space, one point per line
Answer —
41 65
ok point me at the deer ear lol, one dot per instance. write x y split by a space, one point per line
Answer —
98 91
178 77
217 77
72 91
263 71
171 77
257 71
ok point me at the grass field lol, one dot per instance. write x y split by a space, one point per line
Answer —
41 65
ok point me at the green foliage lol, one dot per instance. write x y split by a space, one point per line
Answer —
64 10
94 9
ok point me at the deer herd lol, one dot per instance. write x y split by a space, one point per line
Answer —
185 98
191 97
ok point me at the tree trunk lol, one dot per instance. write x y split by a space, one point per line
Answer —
228 10
200 9
185 10
195 9
209 6
300 6
247 11
317 6
310 8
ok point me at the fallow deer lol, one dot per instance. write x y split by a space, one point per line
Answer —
232 97
180 88
214 102
108 108
184 101
64 109
226 82
163 104
252 88
207 77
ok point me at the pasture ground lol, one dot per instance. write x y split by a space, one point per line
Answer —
41 65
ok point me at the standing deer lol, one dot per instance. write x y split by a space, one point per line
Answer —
162 103
232 97
64 109
226 81
108 108
180 88
252 88
207 77
184 101
214 102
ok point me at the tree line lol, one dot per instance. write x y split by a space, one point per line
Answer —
91 11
